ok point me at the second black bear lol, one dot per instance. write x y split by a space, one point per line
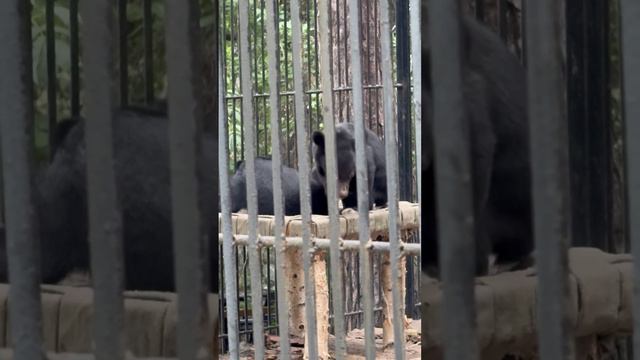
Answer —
264 186
346 164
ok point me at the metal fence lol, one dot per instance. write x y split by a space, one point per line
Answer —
271 137
99 43
570 115
316 57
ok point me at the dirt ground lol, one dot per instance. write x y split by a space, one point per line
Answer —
355 345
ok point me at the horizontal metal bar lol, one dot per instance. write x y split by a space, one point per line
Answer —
313 92
321 243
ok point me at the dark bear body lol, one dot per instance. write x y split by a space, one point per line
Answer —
264 185
495 95
346 166
141 161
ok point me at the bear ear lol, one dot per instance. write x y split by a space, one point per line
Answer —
318 139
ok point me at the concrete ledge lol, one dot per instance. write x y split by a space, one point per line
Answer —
601 301
150 320
6 354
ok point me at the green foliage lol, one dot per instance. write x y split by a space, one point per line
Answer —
135 59
63 74
260 74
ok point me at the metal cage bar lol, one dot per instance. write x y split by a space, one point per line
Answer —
74 49
630 40
52 80
16 138
273 41
302 140
105 219
147 25
416 68
123 52
453 181
392 128
188 209
326 77
248 116
550 176
228 254
366 269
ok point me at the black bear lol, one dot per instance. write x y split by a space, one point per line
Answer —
264 185
141 161
495 94
346 164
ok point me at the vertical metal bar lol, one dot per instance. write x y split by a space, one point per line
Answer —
105 221
523 31
577 108
123 52
52 111
550 170
147 20
391 129
265 121
630 29
16 138
416 64
326 84
190 228
480 9
361 175
228 254
453 180
254 72
273 49
2 197
403 122
503 19
302 137
248 116
74 41
285 15
601 228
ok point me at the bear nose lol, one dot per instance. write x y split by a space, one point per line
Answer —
343 190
